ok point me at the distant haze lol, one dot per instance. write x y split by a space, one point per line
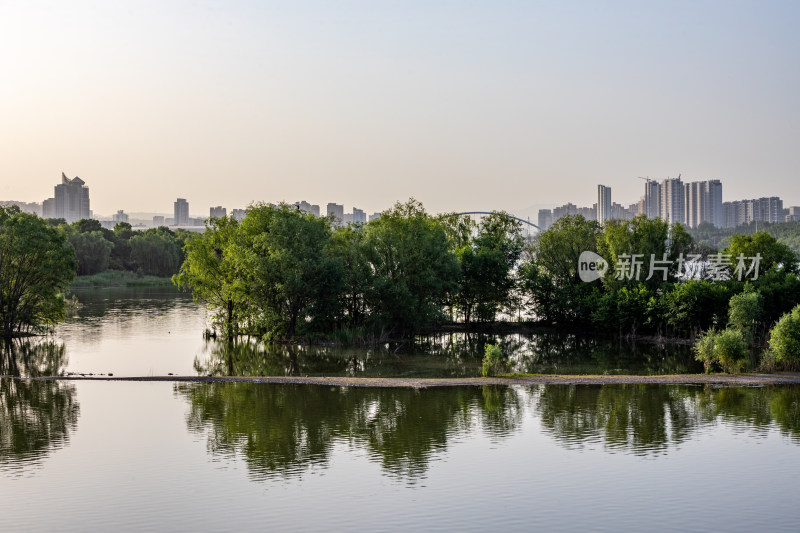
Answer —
462 105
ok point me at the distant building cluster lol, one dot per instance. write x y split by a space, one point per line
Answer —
688 203
691 204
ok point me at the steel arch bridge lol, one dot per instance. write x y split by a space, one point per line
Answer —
528 222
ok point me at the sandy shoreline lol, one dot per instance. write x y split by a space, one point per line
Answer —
787 378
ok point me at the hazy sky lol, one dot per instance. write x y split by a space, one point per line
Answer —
463 105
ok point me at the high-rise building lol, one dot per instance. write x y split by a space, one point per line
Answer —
217 212
589 213
652 199
158 221
741 212
308 208
567 209
703 203
603 203
337 212
49 208
238 214
71 200
119 216
359 216
181 210
374 216
714 202
545 218
672 200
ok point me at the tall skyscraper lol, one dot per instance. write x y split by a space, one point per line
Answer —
672 200
337 211
603 203
217 212
652 199
545 218
703 203
181 211
71 200
359 216
714 202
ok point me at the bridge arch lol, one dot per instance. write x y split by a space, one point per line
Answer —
529 223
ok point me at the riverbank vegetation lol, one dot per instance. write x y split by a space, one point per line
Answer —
119 278
284 274
37 264
152 252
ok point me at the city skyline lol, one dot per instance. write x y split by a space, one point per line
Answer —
689 203
495 106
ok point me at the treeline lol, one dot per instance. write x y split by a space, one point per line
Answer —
713 237
155 251
280 272
714 298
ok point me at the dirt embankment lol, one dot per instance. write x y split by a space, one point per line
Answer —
786 378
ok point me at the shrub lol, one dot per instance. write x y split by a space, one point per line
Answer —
784 339
745 313
493 361
726 349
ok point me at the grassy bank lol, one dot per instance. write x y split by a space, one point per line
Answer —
119 278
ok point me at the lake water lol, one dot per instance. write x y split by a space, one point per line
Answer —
161 456
131 332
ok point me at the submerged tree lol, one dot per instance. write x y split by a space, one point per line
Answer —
413 269
487 264
290 278
210 272
37 263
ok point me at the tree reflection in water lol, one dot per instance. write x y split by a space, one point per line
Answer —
36 416
445 355
283 430
651 419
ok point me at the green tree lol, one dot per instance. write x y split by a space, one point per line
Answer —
210 271
348 246
694 305
487 264
649 238
550 278
87 225
775 255
745 313
155 253
283 261
413 268
37 263
784 339
92 251
726 348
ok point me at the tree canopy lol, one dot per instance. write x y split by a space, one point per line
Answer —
37 263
